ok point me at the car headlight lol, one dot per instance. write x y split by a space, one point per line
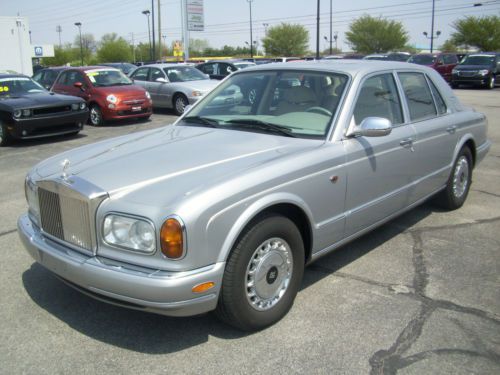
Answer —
26 112
197 93
130 233
17 113
148 95
75 106
31 192
83 106
111 98
484 72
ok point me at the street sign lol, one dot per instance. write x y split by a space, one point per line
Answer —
195 17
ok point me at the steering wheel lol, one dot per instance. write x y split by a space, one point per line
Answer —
319 110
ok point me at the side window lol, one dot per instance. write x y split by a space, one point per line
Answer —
155 74
207 68
450 59
440 104
378 97
74 76
62 78
418 95
141 74
38 76
225 69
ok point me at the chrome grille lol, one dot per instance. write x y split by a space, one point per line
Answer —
65 218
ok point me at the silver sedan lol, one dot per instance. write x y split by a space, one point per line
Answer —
224 209
173 85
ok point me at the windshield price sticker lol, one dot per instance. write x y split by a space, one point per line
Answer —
4 88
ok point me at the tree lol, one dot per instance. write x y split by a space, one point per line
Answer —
142 52
374 35
286 40
114 49
480 32
197 46
89 46
449 46
62 56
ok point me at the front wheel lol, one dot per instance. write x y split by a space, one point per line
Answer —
491 83
458 185
95 116
263 274
4 135
180 103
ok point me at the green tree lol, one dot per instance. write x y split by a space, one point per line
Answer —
286 40
197 46
368 34
89 47
114 49
142 52
480 32
449 46
62 56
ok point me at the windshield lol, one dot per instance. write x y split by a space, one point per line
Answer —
18 86
107 77
485 60
422 59
183 74
287 103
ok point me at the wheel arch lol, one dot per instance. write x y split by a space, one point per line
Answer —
286 205
468 141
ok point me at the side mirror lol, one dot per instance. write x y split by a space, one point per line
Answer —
162 80
79 85
373 127
208 77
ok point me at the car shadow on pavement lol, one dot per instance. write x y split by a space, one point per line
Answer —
155 334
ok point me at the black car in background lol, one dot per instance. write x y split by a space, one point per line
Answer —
125 67
219 69
27 110
46 77
478 69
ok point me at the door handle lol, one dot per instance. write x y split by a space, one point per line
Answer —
451 129
407 143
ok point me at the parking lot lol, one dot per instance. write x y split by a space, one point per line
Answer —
419 295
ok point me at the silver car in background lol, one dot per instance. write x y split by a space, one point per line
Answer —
173 85
222 210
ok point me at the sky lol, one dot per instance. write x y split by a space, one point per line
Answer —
227 21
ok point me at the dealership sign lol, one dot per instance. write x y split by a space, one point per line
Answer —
194 12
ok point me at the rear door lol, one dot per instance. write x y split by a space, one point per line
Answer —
380 169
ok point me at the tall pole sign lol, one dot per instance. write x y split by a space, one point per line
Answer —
194 21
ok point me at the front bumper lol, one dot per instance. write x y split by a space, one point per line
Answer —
124 111
161 292
475 80
36 127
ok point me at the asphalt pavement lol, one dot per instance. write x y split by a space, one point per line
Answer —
419 295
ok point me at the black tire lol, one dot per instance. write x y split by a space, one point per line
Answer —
271 239
458 185
454 85
180 102
491 83
5 137
95 115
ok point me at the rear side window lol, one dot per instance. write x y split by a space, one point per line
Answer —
440 104
418 96
378 97
141 74
62 78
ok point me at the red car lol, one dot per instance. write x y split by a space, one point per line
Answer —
442 62
110 94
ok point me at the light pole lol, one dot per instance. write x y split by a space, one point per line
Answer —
79 25
164 44
330 27
266 25
432 27
432 37
59 30
147 13
251 36
317 32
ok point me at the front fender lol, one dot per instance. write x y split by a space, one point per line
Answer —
236 217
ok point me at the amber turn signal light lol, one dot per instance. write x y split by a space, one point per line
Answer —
200 288
171 238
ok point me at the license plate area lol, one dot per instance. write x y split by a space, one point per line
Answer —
136 108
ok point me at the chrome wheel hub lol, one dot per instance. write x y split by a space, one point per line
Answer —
180 105
94 116
268 273
461 177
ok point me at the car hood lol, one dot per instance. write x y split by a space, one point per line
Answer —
126 90
473 67
201 85
37 100
181 159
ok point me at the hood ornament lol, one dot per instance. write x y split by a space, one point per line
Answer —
65 166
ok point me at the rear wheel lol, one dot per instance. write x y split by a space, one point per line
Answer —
95 116
458 185
180 103
263 274
4 135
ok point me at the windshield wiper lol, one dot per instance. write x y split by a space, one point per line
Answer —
205 121
268 127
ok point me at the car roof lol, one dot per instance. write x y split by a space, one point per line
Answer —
166 65
3 75
351 67
90 67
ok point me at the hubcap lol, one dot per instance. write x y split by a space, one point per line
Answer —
269 273
94 116
180 105
1 133
461 177
492 82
